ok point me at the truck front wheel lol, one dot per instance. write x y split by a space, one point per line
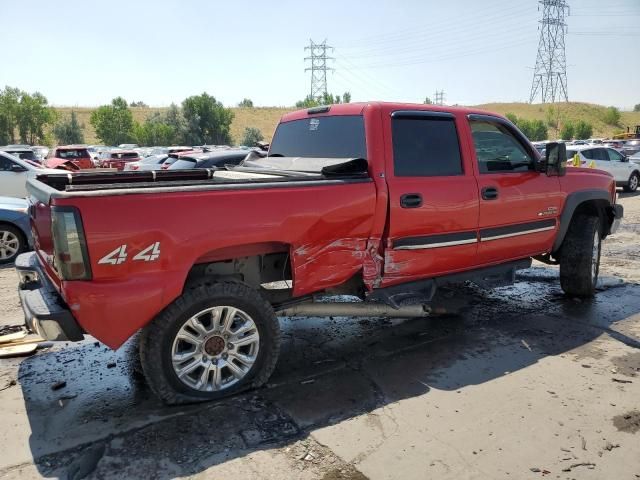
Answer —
213 341
580 256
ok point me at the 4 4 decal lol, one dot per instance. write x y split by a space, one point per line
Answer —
120 255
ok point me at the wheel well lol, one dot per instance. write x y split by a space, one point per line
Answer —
253 270
595 208
23 236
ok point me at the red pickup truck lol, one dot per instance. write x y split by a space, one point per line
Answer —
383 201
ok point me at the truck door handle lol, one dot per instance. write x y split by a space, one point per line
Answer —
489 193
411 200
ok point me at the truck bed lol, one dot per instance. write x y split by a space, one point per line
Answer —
48 186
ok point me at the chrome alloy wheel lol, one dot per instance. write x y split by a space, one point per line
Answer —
633 183
215 348
595 256
9 244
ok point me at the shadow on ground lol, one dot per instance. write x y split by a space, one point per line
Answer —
329 370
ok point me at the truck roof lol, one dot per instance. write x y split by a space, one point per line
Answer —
359 107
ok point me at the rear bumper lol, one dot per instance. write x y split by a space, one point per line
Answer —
45 312
617 213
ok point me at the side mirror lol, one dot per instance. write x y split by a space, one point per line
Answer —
556 159
17 168
264 146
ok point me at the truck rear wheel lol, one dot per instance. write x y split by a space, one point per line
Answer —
213 341
580 256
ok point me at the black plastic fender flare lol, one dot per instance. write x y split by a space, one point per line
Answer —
574 200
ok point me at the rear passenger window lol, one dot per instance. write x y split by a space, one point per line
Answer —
425 147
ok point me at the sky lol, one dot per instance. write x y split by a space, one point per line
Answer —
86 52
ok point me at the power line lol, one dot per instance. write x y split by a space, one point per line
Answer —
550 74
438 97
318 68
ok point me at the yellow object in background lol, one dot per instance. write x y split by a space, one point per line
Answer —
576 160
592 164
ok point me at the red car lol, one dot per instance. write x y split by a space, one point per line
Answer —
70 157
386 202
118 158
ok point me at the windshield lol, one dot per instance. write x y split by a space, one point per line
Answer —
183 163
321 137
73 153
23 154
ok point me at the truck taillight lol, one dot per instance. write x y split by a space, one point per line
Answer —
69 246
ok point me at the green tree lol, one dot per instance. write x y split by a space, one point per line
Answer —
611 116
512 117
636 107
34 114
428 101
246 103
9 114
251 137
150 133
326 99
567 131
139 103
207 120
308 102
69 130
582 130
174 118
534 130
113 123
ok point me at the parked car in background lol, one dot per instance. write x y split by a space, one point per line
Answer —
152 162
216 158
119 158
631 147
595 141
128 146
70 157
41 152
615 144
15 229
626 173
540 147
94 151
173 157
24 152
14 173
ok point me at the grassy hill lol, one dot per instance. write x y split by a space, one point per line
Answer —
573 111
266 118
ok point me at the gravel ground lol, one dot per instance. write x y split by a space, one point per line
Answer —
521 383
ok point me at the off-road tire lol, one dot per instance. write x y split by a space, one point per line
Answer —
577 277
157 337
632 185
22 242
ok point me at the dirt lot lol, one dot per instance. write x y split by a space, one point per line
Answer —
522 383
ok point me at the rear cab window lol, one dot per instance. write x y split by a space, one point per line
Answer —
339 136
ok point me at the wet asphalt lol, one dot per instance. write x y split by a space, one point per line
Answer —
102 418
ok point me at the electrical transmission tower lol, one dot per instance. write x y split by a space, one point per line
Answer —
550 75
318 52
438 97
